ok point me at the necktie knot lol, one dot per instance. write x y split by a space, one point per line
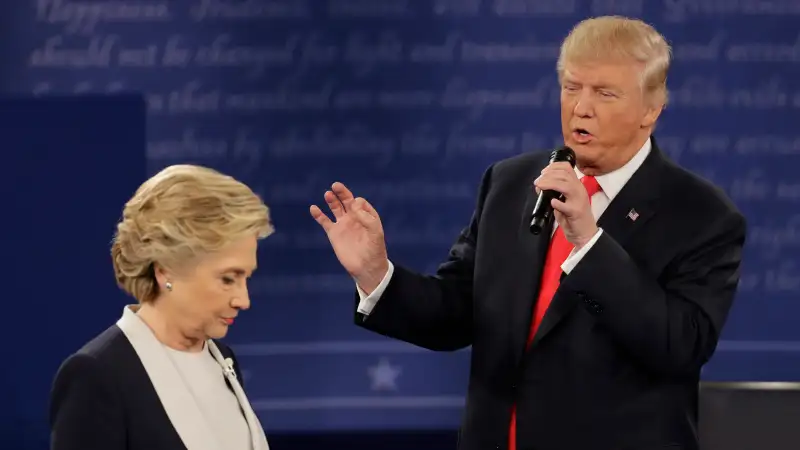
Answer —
591 185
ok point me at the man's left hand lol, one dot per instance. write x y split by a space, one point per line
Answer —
574 214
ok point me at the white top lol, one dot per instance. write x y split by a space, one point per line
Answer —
192 389
611 183
204 377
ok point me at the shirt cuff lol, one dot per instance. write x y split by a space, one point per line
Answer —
367 302
576 256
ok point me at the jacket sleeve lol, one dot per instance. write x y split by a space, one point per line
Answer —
85 408
672 325
432 311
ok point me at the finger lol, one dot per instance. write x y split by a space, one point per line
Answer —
562 207
555 176
321 218
344 194
560 168
334 204
551 183
558 165
362 203
364 218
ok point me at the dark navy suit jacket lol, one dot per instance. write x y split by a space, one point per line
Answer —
615 364
102 399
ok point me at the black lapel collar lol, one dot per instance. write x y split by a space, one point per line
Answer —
636 202
628 212
531 251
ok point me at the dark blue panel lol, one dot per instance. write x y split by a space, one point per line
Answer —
69 166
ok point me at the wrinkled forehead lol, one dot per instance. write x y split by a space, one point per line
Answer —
620 74
237 258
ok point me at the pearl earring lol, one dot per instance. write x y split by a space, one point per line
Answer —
168 285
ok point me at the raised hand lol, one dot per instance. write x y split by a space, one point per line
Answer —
356 235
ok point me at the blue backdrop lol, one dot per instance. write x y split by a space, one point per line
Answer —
73 163
407 101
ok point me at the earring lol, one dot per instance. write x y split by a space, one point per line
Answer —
168 285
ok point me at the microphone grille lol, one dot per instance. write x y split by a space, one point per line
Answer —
563 154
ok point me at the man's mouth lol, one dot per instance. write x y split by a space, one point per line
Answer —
581 135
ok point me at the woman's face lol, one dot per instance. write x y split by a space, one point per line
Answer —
206 297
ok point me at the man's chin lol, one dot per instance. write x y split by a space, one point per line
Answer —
586 159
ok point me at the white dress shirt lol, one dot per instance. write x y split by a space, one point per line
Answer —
610 184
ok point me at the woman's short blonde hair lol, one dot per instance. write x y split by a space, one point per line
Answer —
181 212
615 39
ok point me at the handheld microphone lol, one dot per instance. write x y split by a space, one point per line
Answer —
543 211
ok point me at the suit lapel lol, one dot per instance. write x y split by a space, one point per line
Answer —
531 251
636 202
629 211
258 439
175 396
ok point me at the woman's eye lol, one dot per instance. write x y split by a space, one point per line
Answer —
228 280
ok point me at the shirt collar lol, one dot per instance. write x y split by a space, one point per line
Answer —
614 181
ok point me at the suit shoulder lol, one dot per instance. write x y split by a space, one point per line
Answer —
692 190
91 365
104 350
85 391
520 166
106 344
524 160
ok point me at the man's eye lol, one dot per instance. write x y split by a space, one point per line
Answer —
228 280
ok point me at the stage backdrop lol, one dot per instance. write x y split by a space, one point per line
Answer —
69 165
407 102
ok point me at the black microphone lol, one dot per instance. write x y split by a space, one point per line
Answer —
543 211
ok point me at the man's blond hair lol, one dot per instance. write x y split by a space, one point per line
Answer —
615 39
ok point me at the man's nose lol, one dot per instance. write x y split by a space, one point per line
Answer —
584 107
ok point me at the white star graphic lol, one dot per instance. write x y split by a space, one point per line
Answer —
384 375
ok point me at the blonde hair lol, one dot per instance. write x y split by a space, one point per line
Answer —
615 38
181 212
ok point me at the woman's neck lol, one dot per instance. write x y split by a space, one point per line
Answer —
168 332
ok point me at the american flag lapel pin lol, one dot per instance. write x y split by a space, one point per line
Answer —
633 215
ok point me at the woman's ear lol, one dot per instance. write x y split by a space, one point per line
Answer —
162 274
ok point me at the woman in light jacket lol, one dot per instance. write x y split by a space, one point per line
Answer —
159 379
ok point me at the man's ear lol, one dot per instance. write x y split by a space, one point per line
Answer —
651 115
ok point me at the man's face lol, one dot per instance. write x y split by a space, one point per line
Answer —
605 116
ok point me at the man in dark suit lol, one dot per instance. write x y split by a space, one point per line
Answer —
592 334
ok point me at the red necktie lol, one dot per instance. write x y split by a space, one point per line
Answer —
557 253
